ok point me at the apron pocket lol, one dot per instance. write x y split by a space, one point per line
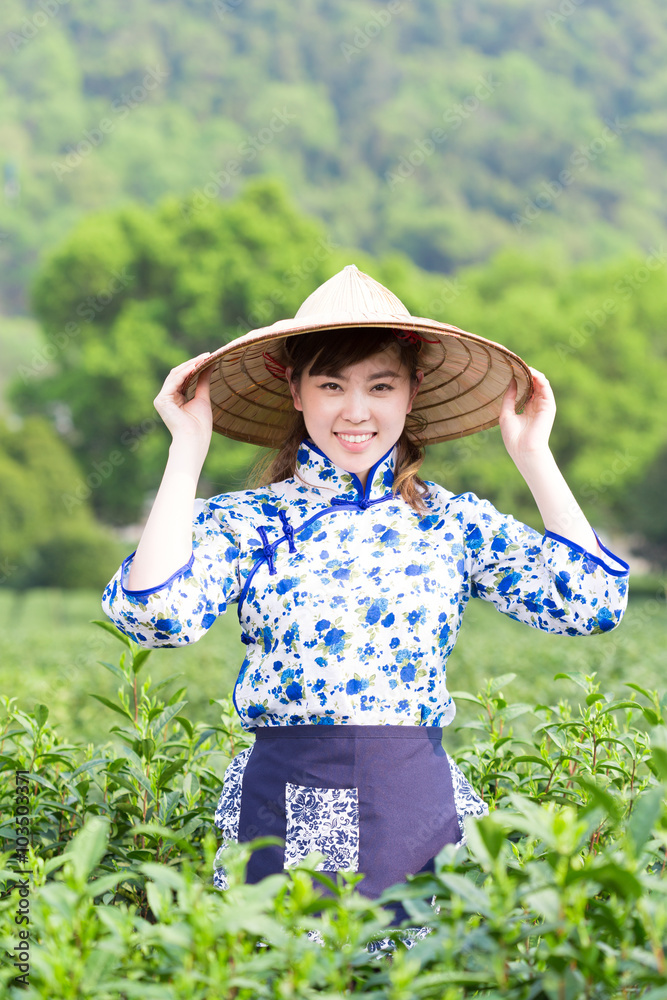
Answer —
325 820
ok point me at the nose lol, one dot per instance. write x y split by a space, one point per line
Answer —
355 406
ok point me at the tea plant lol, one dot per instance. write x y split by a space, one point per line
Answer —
559 894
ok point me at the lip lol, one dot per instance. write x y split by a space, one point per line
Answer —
355 446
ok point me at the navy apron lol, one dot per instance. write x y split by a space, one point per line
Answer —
374 799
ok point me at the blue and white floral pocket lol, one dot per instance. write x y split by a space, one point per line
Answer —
325 820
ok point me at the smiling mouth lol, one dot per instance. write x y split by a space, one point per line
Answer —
356 438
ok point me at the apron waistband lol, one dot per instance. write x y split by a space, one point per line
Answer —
431 733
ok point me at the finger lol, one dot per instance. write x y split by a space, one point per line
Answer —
203 390
509 399
177 377
542 391
188 365
193 385
539 378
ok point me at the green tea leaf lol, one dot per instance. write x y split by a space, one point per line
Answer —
641 690
114 668
187 726
576 676
501 682
476 900
88 847
41 715
139 658
599 796
112 630
112 705
645 813
167 715
659 758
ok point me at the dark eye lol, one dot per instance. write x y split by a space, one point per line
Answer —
329 385
383 385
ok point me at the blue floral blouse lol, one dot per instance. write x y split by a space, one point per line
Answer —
350 602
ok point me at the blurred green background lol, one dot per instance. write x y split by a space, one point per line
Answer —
180 171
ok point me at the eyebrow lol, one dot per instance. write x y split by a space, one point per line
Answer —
387 373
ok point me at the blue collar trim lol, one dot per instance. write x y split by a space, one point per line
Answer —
320 473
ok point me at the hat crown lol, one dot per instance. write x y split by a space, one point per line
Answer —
351 293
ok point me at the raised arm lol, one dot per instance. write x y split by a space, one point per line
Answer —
166 542
185 571
526 437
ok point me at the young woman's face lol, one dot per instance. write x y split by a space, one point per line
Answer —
356 415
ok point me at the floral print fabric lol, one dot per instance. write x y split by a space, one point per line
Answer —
350 602
322 819
228 812
467 801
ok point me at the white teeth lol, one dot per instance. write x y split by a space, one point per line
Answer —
355 438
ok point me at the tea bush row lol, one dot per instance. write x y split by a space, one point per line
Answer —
560 892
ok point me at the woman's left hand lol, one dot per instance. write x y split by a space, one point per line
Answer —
526 434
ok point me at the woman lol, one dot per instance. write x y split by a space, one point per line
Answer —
350 573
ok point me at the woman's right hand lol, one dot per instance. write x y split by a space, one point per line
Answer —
187 419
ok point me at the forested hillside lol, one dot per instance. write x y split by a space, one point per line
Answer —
443 128
179 171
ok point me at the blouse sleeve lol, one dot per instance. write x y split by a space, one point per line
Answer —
546 581
184 607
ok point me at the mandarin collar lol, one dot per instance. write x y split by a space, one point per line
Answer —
329 479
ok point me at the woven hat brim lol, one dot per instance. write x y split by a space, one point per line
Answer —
461 392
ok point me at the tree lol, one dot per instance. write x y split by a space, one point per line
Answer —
132 293
597 332
48 535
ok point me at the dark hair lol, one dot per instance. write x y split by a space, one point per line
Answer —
326 352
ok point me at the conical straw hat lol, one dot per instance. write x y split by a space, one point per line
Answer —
464 380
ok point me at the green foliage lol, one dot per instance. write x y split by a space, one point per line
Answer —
596 331
647 512
58 672
47 531
559 892
519 92
133 293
